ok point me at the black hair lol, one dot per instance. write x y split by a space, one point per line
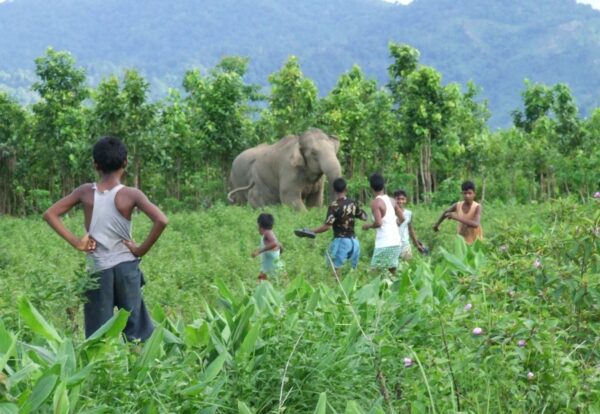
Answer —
468 185
399 193
109 154
377 182
266 221
339 185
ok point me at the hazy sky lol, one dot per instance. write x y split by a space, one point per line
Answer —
594 3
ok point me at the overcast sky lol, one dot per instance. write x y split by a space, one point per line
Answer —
594 3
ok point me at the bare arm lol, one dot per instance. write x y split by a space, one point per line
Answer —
413 237
444 216
62 206
399 212
321 229
159 221
377 218
270 243
471 223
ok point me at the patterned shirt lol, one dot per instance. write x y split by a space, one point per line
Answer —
341 214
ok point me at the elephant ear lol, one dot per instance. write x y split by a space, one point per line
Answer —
336 142
297 159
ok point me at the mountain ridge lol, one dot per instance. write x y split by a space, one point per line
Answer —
496 44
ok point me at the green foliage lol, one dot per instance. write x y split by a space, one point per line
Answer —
293 100
309 343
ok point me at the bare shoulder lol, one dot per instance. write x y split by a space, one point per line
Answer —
84 191
133 193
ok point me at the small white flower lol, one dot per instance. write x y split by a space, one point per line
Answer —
537 263
468 307
522 343
530 376
511 293
504 248
477 331
408 362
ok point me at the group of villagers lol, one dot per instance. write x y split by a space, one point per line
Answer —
114 257
392 222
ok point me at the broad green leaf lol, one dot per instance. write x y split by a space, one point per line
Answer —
151 349
36 322
80 375
9 408
213 369
66 356
196 336
322 404
6 339
7 353
42 390
250 340
241 324
243 408
60 402
112 328
352 407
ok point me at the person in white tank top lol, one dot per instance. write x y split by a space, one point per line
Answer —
386 218
107 208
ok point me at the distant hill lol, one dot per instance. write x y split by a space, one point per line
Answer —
495 43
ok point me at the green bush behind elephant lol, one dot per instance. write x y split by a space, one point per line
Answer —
291 171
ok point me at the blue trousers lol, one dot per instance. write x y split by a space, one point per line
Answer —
119 286
344 248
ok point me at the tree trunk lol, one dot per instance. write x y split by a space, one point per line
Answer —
483 189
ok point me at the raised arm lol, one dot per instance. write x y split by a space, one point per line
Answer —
399 212
471 223
159 221
329 220
449 210
377 218
62 206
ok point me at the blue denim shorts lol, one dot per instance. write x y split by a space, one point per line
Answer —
344 248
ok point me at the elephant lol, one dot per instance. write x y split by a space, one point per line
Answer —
291 171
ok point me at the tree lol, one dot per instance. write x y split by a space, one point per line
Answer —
13 146
59 122
219 108
293 101
138 122
360 115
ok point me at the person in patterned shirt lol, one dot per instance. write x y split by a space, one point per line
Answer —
341 216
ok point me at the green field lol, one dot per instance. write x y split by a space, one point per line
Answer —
307 343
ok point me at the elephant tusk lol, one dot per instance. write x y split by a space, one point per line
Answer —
232 192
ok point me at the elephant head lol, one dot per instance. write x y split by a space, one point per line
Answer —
319 153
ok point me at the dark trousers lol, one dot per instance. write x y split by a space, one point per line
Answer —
119 286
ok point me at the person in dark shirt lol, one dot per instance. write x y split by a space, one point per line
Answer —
341 216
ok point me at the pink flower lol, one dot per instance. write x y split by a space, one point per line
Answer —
477 331
468 307
530 376
408 362
537 263
597 194
522 343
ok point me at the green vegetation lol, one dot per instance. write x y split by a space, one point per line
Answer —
495 45
424 135
307 343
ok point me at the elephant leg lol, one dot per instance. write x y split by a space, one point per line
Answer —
315 199
292 197
261 194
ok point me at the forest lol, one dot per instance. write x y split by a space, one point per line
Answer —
424 135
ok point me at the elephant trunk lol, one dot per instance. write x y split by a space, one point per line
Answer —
332 170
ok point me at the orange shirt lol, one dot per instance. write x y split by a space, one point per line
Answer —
469 233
